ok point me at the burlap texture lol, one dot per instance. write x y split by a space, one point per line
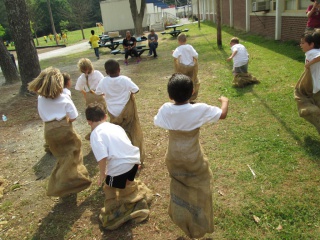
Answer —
129 121
69 174
244 79
122 205
307 102
191 184
91 97
190 71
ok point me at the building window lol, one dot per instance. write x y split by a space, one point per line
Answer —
297 4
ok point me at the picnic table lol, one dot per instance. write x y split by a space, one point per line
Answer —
140 49
175 32
113 45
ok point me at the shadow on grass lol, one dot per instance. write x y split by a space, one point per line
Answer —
278 118
312 148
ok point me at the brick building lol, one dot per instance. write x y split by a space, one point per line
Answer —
274 19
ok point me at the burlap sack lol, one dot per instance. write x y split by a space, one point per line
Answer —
129 121
69 174
122 205
91 97
307 102
191 184
190 71
244 79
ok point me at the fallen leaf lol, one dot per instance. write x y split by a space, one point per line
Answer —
256 219
279 228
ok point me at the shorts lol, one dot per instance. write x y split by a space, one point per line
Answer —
241 69
121 180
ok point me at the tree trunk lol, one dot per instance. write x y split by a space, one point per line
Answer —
28 60
81 27
8 68
52 22
219 38
137 17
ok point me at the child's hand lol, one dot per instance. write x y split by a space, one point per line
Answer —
101 179
223 99
229 59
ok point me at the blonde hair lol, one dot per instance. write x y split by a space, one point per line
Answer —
85 64
182 38
48 84
234 40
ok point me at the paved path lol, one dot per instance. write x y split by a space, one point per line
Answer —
79 47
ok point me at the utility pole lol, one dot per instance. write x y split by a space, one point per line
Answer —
198 6
219 41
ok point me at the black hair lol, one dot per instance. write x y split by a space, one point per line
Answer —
111 66
312 37
92 32
180 87
95 112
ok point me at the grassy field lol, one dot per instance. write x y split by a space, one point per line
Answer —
263 133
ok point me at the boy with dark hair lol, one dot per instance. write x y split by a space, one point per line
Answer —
190 204
94 40
118 162
307 90
119 93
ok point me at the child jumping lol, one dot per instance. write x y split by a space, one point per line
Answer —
118 162
240 59
57 111
190 205
186 62
307 90
119 91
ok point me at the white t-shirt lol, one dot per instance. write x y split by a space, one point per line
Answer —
185 53
186 117
111 141
117 91
93 79
66 91
242 56
314 68
56 109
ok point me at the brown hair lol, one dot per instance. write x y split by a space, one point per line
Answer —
182 38
48 84
66 79
85 64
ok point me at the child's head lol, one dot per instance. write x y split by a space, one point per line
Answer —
310 40
112 67
66 80
95 112
182 39
234 41
48 84
85 66
92 32
180 88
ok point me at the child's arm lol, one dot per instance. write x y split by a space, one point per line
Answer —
315 60
102 167
224 106
232 55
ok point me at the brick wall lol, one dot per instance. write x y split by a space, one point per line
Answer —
293 27
225 13
265 26
239 14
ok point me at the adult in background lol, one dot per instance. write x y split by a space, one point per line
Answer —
153 43
129 45
313 14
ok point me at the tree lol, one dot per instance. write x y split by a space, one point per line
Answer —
137 17
52 22
28 60
8 68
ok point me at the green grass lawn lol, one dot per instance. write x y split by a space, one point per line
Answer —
262 132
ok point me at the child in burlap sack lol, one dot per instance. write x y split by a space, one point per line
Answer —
57 111
240 59
118 160
88 82
307 90
119 91
190 204
186 62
